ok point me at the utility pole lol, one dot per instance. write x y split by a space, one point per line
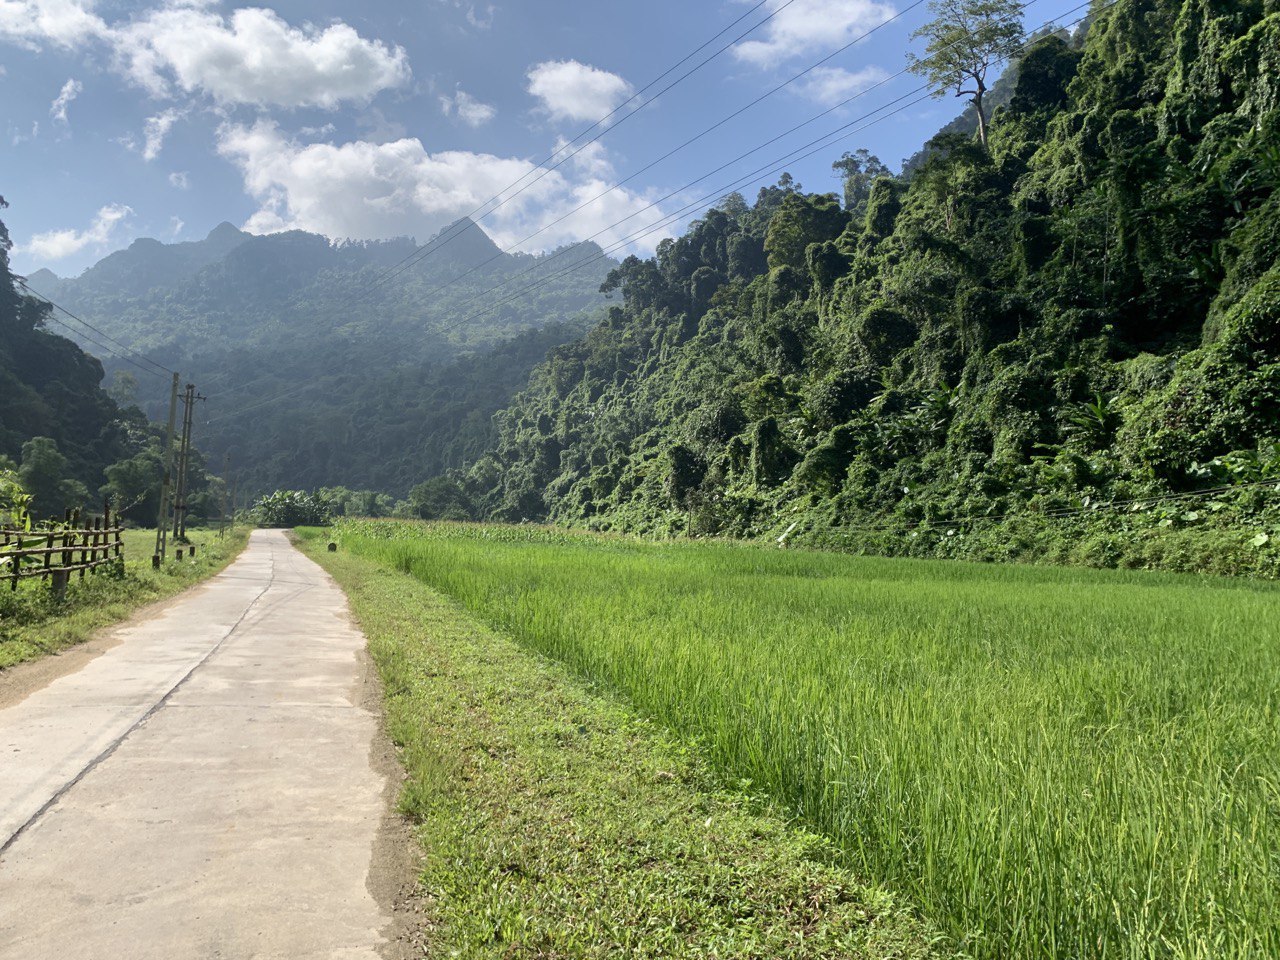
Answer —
184 462
226 479
162 521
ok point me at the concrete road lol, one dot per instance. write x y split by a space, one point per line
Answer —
205 788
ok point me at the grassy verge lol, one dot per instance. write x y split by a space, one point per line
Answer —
1050 763
33 624
559 824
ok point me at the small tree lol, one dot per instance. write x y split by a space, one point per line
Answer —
15 502
966 39
858 171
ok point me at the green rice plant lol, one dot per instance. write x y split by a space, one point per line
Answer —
1051 763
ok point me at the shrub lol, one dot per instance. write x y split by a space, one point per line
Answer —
291 508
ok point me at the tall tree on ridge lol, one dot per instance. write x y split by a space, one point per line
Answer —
966 39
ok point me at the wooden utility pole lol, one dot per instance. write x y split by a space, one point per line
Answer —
184 462
162 521
226 479
179 502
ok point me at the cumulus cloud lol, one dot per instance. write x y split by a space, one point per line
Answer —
63 23
58 109
468 109
252 56
180 179
366 190
809 25
831 85
59 244
256 57
570 90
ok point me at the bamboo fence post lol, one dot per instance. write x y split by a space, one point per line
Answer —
16 560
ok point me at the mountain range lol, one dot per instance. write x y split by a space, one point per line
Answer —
361 343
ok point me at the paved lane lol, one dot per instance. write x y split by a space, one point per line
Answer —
202 789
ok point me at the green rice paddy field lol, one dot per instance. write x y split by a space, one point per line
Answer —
1047 762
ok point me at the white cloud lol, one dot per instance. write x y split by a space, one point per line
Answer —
58 244
831 85
58 109
180 179
570 90
808 25
468 109
251 56
156 129
175 226
64 23
591 159
256 57
365 190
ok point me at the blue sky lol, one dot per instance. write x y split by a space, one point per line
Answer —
164 118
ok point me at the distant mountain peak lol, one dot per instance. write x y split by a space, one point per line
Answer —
43 276
226 231
464 241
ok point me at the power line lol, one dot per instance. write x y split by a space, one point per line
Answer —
477 212
822 143
160 369
422 255
104 348
819 144
651 205
602 255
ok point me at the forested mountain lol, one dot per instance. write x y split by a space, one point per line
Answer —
369 364
972 361
62 437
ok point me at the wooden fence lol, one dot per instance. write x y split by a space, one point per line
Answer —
58 551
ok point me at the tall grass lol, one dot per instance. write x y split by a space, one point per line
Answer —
1052 763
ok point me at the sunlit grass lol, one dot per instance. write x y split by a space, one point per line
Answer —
557 823
1051 763
33 623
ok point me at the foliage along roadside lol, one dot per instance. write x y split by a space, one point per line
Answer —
1083 312
34 624
557 823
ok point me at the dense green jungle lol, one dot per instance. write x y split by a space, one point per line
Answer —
1060 345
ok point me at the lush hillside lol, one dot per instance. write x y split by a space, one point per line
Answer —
62 437
359 359
979 360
